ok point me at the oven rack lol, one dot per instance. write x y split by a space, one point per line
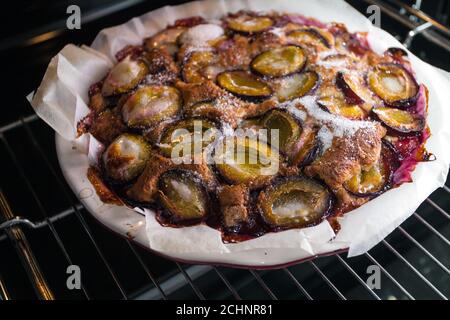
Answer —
426 232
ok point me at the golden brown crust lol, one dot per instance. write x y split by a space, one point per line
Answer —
146 187
198 92
347 201
107 125
287 170
265 41
235 53
203 170
233 201
154 133
160 61
223 106
97 102
347 156
103 192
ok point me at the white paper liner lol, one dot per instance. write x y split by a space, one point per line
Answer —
61 101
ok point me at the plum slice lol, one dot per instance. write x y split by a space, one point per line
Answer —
372 181
151 104
312 36
289 129
367 182
350 87
297 85
194 70
347 111
125 157
394 84
124 76
191 135
306 149
166 39
183 195
295 203
246 23
299 144
279 62
246 160
333 101
244 84
400 120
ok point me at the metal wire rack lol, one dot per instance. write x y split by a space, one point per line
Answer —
44 229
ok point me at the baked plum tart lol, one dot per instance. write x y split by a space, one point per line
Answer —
255 123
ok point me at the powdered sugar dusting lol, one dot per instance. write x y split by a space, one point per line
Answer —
290 106
336 125
340 126
332 63
227 101
197 38
326 137
327 53
292 109
199 35
279 32
159 78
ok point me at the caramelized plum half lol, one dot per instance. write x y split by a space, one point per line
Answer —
124 76
368 182
166 39
295 203
184 135
333 101
349 87
347 111
400 120
312 36
289 129
125 157
151 104
195 68
376 179
244 84
279 62
183 195
246 23
297 85
246 160
394 84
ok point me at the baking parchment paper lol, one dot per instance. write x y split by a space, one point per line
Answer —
61 101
